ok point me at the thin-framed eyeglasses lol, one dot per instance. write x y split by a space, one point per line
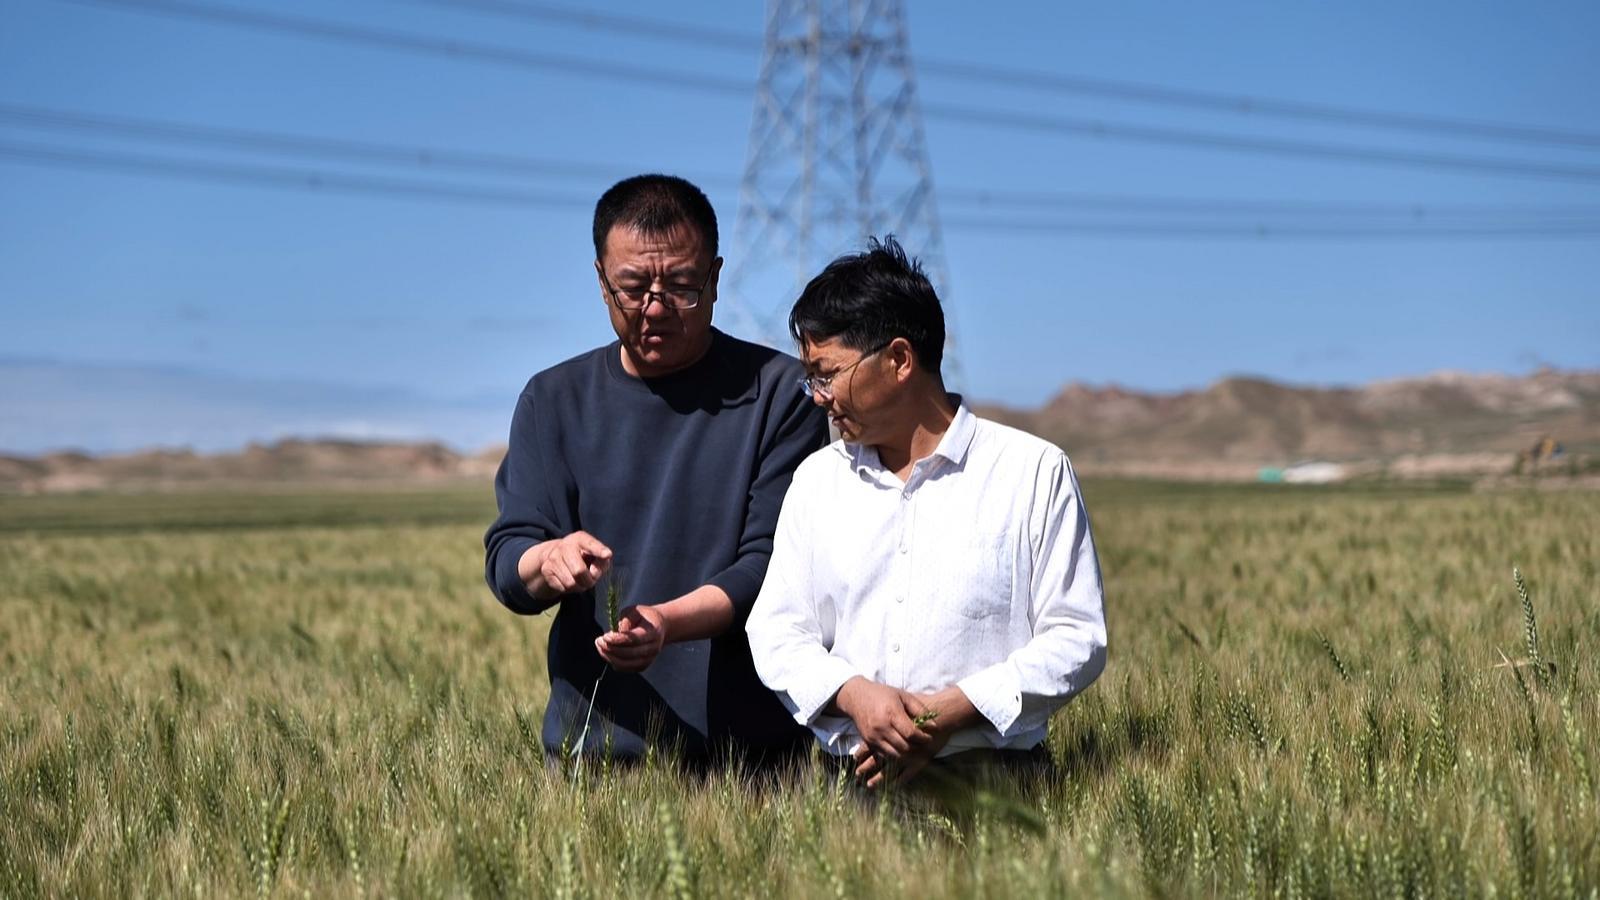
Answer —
674 296
814 385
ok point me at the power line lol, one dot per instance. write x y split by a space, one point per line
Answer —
406 41
636 75
1269 231
653 29
299 145
1148 134
265 176
324 182
504 164
1134 92
1265 107
985 198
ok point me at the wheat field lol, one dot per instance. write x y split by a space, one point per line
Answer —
1310 693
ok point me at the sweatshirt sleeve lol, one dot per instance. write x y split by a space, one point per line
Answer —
522 489
797 427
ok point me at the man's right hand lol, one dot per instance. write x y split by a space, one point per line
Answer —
883 715
564 565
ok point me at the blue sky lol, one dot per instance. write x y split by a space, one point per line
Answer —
310 304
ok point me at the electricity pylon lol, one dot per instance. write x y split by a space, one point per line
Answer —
836 153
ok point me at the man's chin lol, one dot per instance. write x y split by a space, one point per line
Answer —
667 352
666 356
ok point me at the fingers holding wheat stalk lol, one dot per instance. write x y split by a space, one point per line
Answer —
613 606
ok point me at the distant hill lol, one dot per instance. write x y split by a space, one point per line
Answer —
1447 422
1441 424
284 462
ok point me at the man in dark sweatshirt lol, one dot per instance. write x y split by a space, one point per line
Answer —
657 462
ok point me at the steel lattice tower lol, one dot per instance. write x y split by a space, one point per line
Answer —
836 153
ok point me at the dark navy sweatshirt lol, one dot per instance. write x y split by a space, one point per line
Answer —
682 477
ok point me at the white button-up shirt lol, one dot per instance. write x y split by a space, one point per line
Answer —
979 571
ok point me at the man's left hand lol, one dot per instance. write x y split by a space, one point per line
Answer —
952 712
640 635
872 770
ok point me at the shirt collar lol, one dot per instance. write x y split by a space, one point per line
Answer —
957 438
953 444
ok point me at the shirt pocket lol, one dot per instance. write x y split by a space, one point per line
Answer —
972 571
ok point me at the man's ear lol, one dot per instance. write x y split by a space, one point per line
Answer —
600 278
716 280
903 358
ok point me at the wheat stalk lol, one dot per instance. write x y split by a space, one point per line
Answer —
613 602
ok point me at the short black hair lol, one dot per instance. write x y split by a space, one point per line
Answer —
869 299
653 204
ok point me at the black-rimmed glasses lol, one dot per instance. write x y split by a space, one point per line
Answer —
674 296
814 385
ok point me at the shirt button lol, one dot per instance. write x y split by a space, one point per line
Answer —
895 648
899 599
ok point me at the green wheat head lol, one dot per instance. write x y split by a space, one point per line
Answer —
1530 628
1333 654
613 599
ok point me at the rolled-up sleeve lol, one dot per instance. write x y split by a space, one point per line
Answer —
1068 649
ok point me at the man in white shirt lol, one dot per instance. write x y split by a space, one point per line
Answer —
933 591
